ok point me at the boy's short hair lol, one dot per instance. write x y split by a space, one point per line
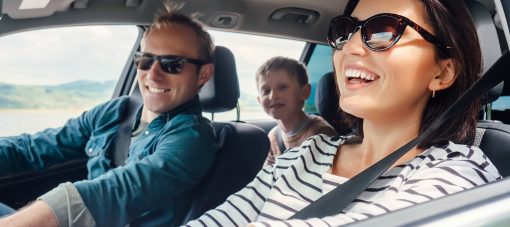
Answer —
171 16
292 67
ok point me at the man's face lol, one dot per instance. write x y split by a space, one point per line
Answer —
163 91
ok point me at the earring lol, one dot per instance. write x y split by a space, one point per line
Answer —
433 93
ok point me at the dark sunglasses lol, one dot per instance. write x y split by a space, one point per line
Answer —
169 63
379 32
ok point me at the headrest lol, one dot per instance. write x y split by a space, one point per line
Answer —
489 43
221 92
326 97
326 102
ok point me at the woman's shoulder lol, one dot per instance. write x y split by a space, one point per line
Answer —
460 155
456 151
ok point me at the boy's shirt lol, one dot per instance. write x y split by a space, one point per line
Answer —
313 126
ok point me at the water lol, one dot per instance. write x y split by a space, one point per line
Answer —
14 122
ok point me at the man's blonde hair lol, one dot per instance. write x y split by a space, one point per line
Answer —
171 16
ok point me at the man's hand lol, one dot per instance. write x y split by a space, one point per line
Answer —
36 214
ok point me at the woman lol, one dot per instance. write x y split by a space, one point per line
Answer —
398 65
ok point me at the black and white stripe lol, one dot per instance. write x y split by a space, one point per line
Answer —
301 176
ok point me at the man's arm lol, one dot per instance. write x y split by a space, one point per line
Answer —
51 146
182 157
36 214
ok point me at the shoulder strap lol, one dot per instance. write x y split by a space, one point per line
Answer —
121 148
345 193
279 139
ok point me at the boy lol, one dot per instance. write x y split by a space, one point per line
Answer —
283 87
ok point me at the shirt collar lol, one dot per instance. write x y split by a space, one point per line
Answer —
192 106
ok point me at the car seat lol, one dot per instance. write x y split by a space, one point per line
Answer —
243 146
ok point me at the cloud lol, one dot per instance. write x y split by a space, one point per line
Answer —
99 53
60 55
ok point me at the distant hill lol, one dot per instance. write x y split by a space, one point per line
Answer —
82 94
76 94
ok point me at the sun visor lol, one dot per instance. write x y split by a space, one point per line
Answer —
22 9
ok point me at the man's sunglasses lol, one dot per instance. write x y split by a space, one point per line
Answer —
169 63
379 32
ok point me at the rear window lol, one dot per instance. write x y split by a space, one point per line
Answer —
251 51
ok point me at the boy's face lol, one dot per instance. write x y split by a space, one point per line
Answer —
280 94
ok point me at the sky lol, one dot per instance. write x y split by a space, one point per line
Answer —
99 53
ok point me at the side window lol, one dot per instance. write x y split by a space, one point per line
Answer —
51 75
501 109
320 63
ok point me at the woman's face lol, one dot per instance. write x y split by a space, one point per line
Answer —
401 75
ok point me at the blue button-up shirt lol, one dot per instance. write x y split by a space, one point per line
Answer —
165 161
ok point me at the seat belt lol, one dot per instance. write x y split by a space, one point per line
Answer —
279 139
336 200
121 148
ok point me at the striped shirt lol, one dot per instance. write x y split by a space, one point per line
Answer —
301 176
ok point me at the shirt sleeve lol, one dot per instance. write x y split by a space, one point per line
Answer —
68 206
52 146
182 157
435 180
242 207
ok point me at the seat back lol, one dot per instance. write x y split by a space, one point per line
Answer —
493 138
243 147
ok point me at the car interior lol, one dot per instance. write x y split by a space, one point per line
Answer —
244 142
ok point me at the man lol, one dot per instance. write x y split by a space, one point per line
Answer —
172 144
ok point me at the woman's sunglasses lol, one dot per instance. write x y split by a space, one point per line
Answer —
169 63
379 32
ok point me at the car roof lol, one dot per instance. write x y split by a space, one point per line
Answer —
296 19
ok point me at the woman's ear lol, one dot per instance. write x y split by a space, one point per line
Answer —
445 77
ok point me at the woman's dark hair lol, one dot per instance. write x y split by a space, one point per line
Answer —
451 22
